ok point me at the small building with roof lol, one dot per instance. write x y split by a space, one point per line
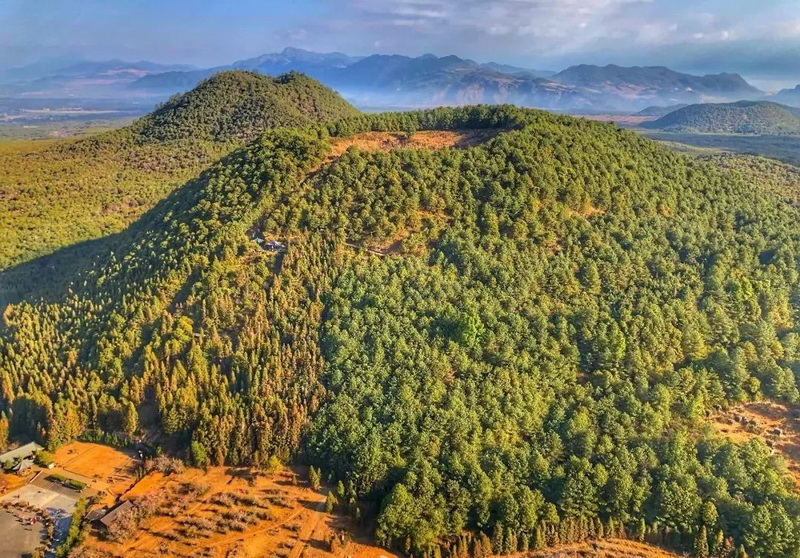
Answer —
111 517
22 457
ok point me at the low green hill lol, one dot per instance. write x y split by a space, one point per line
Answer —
530 362
744 117
239 106
660 111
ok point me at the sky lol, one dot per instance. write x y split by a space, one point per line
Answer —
757 38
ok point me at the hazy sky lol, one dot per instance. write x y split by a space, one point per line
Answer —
759 38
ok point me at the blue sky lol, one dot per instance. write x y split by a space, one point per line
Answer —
759 38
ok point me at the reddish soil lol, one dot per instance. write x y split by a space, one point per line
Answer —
387 141
612 548
108 471
284 518
9 483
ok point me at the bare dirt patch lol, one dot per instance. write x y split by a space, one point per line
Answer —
431 140
108 471
612 548
9 483
777 424
233 512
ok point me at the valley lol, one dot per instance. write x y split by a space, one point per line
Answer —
782 148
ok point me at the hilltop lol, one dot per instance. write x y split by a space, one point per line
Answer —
240 105
57 193
659 111
504 343
744 117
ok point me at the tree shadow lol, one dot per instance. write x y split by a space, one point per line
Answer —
50 278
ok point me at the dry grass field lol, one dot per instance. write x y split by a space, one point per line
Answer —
231 512
107 471
10 482
386 141
612 548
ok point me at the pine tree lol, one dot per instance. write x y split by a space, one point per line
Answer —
641 530
3 431
717 544
314 478
509 541
701 543
497 539
486 544
611 528
538 542
330 502
130 418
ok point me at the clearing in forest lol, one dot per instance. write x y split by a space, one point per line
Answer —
108 471
612 548
239 512
777 424
431 139
230 512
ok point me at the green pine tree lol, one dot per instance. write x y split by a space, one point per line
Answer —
701 543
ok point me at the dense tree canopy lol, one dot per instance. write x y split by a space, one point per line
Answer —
532 360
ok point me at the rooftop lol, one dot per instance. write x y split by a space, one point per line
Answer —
111 516
21 452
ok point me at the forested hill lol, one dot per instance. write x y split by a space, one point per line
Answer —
531 362
239 105
744 117
61 193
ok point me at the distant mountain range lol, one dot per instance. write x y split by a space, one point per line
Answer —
788 97
382 80
743 117
64 77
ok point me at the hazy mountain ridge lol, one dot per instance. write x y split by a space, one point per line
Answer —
638 81
429 80
787 96
89 78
